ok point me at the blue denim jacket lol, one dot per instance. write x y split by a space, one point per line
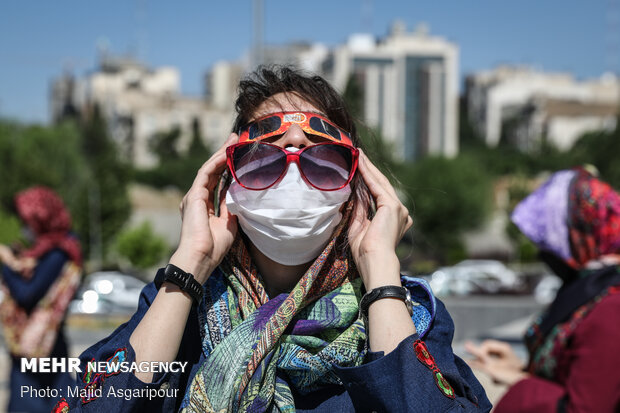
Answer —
401 381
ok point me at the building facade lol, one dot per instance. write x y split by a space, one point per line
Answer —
138 103
410 88
525 106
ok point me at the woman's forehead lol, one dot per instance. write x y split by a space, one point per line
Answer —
284 102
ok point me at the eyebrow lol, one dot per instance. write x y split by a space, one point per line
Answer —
289 111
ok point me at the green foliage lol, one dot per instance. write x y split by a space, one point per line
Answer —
175 168
600 149
104 205
164 144
36 155
9 228
80 163
528 252
141 246
354 97
447 197
377 149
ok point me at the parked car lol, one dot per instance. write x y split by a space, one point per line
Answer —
475 277
547 288
107 292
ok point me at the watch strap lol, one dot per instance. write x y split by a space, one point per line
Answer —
386 291
184 280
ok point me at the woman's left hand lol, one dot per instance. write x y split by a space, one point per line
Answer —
373 242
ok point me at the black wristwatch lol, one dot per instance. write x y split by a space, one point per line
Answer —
184 280
387 291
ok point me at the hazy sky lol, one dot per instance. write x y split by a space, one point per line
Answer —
38 39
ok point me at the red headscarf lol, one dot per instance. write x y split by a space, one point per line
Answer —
46 215
594 219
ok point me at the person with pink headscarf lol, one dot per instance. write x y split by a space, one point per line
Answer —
574 219
38 284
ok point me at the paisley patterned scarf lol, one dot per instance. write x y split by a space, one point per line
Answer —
257 349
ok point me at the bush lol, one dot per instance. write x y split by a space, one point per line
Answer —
141 246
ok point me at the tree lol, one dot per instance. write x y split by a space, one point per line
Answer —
175 168
446 197
104 206
600 149
354 97
141 246
36 155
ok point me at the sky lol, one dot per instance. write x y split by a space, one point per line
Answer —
41 39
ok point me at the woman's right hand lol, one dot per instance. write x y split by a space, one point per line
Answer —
205 237
498 360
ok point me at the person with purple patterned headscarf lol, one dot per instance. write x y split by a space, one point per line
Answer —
574 219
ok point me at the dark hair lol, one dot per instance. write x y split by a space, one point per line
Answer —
267 81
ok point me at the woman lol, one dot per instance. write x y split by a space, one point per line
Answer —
574 219
279 261
38 285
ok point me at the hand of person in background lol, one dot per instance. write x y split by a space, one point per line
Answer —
373 242
7 257
498 360
205 237
25 266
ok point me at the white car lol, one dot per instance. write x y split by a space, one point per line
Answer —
106 292
475 276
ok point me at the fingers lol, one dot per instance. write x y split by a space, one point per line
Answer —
474 350
496 348
489 348
384 193
359 221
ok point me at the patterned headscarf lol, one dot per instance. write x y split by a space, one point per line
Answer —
252 342
46 215
34 333
573 215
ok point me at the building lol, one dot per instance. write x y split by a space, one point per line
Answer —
410 85
409 80
138 103
560 122
524 106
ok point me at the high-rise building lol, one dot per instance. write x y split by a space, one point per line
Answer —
410 88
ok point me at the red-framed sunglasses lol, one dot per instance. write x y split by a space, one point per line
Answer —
278 123
327 166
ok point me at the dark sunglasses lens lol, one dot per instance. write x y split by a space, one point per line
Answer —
264 126
320 125
258 166
327 166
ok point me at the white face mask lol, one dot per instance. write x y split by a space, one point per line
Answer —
291 222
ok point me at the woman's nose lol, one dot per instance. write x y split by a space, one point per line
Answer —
294 136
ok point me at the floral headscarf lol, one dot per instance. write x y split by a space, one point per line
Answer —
573 215
46 215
